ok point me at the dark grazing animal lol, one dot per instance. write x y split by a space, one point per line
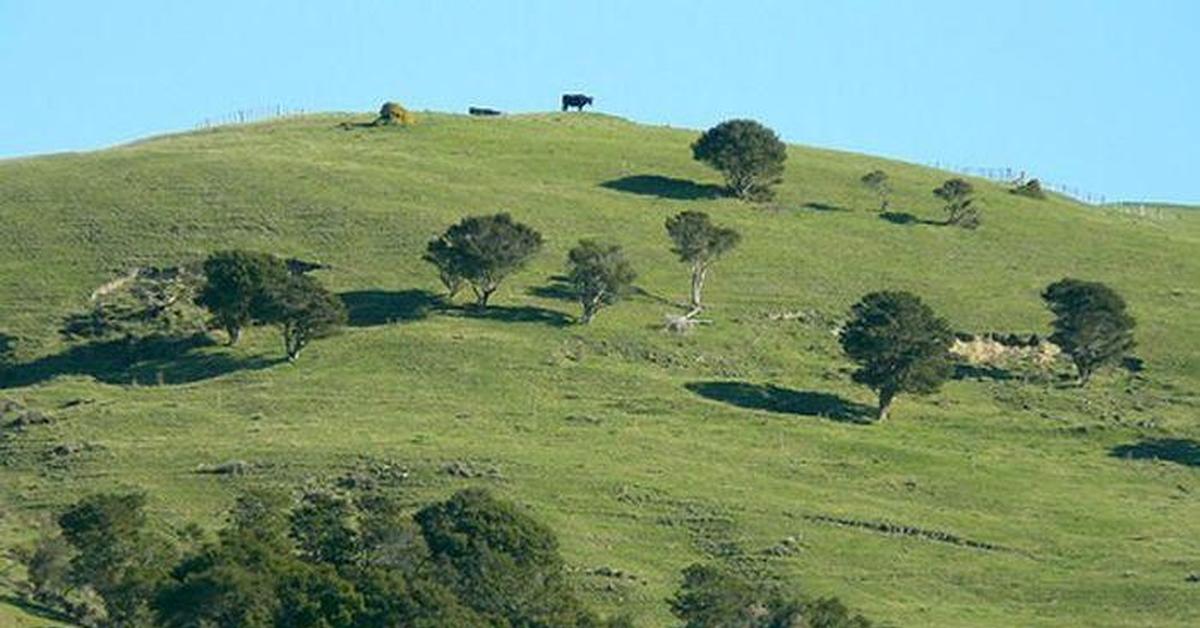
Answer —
579 101
482 111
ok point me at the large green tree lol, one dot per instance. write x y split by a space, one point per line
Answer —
698 242
1090 325
303 310
900 346
503 563
482 251
600 274
748 154
236 288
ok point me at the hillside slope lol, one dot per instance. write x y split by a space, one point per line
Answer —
645 451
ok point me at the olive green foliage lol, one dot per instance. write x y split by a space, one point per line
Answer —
303 310
877 182
327 562
698 242
1090 325
958 196
600 274
394 113
503 563
237 288
481 251
1030 189
900 345
711 597
114 555
748 154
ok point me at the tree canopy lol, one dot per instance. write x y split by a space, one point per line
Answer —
900 345
958 195
482 251
600 274
748 154
237 285
698 242
1090 325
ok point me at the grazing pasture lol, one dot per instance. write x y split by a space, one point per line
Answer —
1011 497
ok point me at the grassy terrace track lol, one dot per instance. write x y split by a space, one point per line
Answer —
996 502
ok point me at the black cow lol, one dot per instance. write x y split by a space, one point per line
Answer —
579 101
482 111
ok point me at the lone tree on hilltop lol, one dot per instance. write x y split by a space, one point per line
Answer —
959 199
699 242
877 181
482 251
748 154
303 310
1090 325
236 285
600 275
899 344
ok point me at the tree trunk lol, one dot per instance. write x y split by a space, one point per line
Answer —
234 333
482 295
698 275
885 404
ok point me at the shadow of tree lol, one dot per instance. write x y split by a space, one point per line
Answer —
981 372
665 187
824 207
558 288
907 219
148 361
782 400
37 610
369 308
511 314
1181 451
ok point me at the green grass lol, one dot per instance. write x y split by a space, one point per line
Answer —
643 450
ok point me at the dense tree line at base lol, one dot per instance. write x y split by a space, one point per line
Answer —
330 560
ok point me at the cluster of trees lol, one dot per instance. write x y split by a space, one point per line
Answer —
331 560
902 346
242 288
481 251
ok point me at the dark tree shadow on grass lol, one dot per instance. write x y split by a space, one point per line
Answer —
981 372
824 207
511 314
558 289
146 361
1181 451
907 219
37 610
784 401
665 187
369 308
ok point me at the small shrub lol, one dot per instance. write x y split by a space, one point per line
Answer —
1031 189
961 210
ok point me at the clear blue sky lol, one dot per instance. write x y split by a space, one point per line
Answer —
1102 95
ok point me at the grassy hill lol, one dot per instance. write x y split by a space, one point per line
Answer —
645 451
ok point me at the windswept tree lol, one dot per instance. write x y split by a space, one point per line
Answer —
303 310
900 346
482 251
698 242
600 274
959 199
1090 325
877 182
236 285
748 154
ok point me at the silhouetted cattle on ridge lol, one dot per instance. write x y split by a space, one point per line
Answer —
482 111
579 101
